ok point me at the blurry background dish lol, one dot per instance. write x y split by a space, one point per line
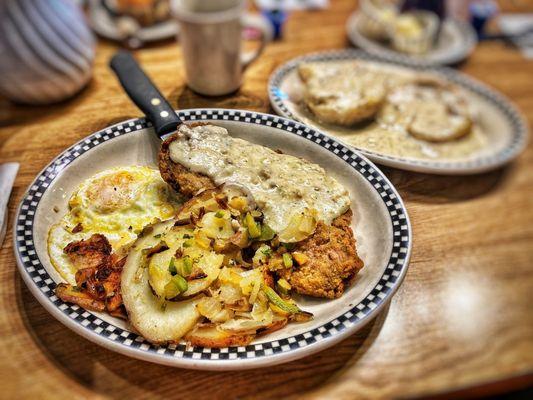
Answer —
381 227
418 35
146 12
497 131
132 22
414 33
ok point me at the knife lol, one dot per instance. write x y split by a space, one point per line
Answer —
142 91
8 172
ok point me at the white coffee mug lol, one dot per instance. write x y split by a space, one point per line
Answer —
211 36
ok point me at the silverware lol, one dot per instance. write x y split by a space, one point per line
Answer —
8 172
142 91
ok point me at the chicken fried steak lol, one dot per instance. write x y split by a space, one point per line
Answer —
332 260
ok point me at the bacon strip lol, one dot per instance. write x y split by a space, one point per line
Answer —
98 277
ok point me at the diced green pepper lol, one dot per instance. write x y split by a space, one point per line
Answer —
283 287
176 286
274 298
284 284
185 266
172 266
267 233
254 230
181 282
267 251
287 260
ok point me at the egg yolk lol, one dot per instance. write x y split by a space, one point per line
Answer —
113 192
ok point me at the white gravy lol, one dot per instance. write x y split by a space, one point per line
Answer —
281 184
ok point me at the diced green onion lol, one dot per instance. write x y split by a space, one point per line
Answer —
287 260
219 214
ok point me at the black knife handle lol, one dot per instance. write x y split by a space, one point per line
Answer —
144 93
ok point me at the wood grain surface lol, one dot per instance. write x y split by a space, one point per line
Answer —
462 321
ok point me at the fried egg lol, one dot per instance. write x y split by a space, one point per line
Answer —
117 203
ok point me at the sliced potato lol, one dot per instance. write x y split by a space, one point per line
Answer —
214 310
217 225
210 336
207 261
156 323
210 263
277 323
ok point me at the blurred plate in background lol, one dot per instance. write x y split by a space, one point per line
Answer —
105 25
503 126
455 42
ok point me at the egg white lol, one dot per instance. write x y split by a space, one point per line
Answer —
117 203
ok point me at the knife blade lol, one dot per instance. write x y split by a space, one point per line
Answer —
8 173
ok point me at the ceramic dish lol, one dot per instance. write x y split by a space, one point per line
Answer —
381 227
455 42
505 128
103 24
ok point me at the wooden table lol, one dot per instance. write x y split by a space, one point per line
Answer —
462 321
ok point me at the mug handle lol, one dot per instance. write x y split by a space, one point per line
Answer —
263 26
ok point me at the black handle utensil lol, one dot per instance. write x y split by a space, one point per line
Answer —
142 91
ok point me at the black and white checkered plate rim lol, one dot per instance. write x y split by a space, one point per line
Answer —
513 116
108 335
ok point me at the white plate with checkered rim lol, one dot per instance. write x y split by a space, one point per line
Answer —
381 226
502 122
456 41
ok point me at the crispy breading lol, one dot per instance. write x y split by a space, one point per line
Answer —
97 278
332 260
177 176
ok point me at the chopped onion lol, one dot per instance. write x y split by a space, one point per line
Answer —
233 189
300 226
229 293
213 310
